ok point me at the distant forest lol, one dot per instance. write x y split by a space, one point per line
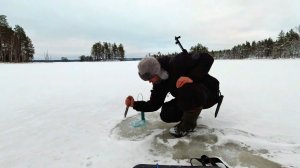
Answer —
287 45
105 52
15 45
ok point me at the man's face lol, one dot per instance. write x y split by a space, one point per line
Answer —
155 79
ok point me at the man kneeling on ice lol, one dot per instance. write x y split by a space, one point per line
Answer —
186 77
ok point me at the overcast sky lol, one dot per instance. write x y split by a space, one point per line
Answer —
69 28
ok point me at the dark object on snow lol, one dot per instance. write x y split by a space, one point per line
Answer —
126 111
220 100
170 166
204 160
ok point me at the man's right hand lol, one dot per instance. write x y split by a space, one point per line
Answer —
129 101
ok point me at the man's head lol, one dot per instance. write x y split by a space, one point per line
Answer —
149 67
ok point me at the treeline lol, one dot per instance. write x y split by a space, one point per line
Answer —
287 45
15 45
105 52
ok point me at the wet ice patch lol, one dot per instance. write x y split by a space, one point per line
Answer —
236 147
126 129
210 141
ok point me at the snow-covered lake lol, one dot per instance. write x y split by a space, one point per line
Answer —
71 115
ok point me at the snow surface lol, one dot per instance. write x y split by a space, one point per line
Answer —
71 115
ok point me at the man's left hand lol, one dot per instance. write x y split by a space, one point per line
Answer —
182 81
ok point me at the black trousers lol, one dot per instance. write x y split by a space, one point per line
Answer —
187 98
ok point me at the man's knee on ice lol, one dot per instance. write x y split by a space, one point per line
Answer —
170 112
165 118
191 96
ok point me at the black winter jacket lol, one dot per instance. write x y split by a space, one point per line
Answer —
195 66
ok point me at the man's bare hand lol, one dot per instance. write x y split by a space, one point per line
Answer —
182 81
129 101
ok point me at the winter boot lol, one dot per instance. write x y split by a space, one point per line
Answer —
187 124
